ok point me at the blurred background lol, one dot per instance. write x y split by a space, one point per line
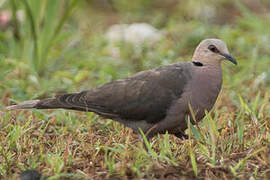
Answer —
49 47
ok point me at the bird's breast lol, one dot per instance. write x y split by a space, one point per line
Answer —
204 90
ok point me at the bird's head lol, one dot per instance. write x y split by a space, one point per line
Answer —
212 51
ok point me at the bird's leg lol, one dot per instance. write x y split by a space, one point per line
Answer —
148 139
148 135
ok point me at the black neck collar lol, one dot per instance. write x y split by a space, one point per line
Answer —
196 63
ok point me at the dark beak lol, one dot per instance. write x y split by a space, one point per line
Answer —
230 58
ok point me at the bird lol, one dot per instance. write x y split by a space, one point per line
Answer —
157 100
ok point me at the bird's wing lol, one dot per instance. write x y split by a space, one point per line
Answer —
146 95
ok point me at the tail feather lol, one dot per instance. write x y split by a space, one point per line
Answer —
66 101
25 105
74 101
50 103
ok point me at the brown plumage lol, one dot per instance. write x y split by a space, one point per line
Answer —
155 100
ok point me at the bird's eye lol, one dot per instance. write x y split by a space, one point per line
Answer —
213 48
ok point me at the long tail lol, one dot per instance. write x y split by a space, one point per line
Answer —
74 101
52 103
66 101
25 105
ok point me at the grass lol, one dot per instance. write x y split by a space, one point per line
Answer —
232 142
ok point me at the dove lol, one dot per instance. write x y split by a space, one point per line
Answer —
156 100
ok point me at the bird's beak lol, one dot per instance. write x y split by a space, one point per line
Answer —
229 57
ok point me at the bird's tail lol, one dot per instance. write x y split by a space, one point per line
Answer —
73 101
25 105
36 104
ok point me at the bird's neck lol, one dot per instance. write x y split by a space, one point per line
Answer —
206 62
209 71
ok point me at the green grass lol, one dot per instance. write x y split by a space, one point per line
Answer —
233 140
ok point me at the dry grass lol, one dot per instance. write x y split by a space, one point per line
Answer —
83 146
